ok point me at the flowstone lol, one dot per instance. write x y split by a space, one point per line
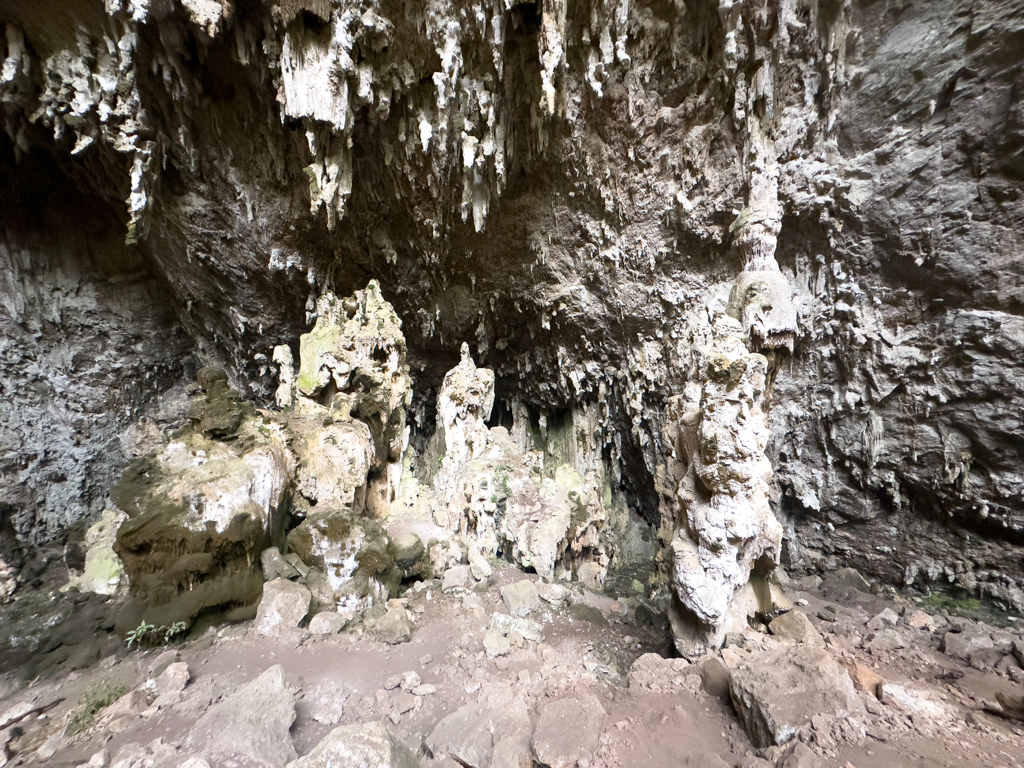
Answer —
354 556
464 405
347 423
102 571
762 301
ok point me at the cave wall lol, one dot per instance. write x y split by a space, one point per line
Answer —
88 340
556 184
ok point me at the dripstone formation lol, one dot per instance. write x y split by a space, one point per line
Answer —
648 297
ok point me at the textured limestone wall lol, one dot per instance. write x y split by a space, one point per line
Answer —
88 340
572 189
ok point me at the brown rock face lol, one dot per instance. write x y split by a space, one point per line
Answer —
200 510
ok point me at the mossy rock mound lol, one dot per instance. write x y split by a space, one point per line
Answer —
200 510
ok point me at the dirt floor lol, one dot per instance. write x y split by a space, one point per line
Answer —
650 710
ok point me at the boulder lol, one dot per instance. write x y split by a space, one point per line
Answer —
919 703
590 575
496 644
200 510
494 732
478 565
325 701
525 628
367 745
275 566
1011 705
715 677
458 577
555 594
656 672
393 627
251 726
283 607
409 553
795 626
844 579
917 620
162 662
327 623
887 618
461 735
296 562
568 731
966 642
776 692
521 598
173 679
886 640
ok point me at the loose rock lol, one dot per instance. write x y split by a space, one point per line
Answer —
327 623
521 599
251 725
393 627
844 579
283 607
775 692
275 566
795 626
369 745
568 731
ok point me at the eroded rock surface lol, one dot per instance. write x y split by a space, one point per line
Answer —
251 725
369 745
201 509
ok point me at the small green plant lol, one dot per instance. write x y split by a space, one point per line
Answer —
502 473
175 629
95 698
151 633
140 633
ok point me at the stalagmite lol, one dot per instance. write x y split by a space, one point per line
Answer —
726 525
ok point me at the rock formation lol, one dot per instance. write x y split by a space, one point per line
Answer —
577 192
201 509
726 525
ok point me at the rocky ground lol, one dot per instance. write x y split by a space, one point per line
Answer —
510 671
